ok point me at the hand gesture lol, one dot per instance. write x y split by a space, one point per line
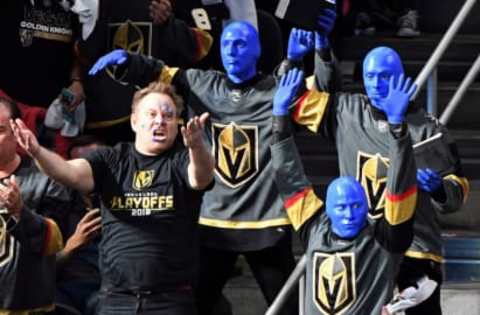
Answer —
325 23
79 95
287 89
25 137
300 42
113 58
86 230
429 180
160 11
193 131
10 197
399 95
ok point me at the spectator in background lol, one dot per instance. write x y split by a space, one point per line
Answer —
141 27
373 13
78 277
28 238
150 192
39 59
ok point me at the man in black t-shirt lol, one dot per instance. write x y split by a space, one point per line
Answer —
150 194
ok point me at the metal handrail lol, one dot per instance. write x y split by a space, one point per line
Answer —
288 287
457 97
442 46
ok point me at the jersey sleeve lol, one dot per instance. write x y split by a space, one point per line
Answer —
395 230
300 200
99 161
455 184
36 233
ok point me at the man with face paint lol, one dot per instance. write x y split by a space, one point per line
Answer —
360 126
350 259
243 213
150 193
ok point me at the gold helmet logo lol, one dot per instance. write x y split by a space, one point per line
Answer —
372 173
129 37
334 282
235 150
143 179
7 243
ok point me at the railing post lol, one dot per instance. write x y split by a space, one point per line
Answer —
432 92
457 97
442 46
288 287
301 296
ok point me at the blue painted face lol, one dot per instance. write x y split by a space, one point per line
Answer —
347 207
378 66
240 50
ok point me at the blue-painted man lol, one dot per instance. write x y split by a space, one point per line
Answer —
351 261
360 125
243 213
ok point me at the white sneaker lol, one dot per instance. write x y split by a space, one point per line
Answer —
408 25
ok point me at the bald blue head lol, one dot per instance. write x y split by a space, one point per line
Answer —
240 50
379 65
346 206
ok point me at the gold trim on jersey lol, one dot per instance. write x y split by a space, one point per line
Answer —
7 243
333 282
204 43
47 308
422 255
463 182
400 208
106 123
302 206
167 74
310 109
53 238
229 224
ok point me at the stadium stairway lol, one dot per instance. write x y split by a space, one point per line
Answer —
461 231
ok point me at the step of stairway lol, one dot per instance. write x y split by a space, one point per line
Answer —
464 48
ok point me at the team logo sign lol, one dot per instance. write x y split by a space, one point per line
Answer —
142 179
134 37
372 175
235 148
334 282
7 243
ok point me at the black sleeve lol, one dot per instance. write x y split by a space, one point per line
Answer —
395 230
100 161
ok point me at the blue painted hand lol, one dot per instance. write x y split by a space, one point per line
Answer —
429 180
287 89
300 42
325 23
116 57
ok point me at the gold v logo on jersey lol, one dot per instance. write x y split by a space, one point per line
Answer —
142 179
7 243
334 282
372 175
235 148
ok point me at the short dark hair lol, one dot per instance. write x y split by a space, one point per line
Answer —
161 88
12 106
83 140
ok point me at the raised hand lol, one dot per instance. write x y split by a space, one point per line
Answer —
10 197
25 137
429 180
325 23
192 132
300 42
116 57
160 11
287 89
86 230
396 102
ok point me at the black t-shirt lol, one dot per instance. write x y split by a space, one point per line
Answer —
37 50
149 216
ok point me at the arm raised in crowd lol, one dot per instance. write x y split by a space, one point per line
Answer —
76 174
202 164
